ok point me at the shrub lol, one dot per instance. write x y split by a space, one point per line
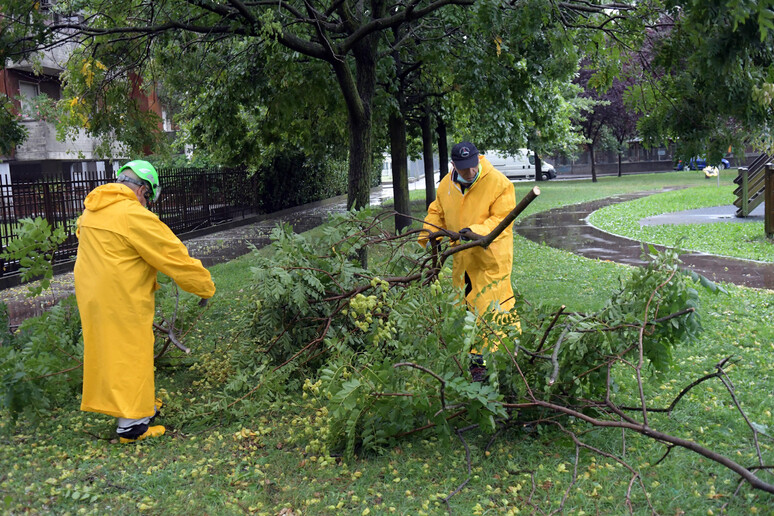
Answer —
40 363
293 179
34 249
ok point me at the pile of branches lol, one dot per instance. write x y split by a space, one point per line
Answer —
387 350
390 347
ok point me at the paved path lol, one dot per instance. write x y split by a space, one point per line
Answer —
211 246
227 244
567 228
705 216
563 228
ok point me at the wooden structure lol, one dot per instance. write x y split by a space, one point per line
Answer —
752 184
769 195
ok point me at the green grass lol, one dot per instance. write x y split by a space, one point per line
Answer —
67 464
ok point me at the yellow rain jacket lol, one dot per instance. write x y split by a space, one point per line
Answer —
481 208
121 246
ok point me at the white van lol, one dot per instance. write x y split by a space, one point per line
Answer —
520 165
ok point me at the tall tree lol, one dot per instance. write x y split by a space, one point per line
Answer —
443 146
597 114
623 125
426 125
607 120
345 35
415 59
399 160
713 68
511 92
532 42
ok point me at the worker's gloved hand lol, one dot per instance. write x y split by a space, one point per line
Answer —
203 302
465 234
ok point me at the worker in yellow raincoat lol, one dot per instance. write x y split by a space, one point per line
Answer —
476 197
121 246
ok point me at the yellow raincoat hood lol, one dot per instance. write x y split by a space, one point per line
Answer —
107 195
121 246
481 207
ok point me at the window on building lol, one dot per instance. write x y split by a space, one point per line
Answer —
166 121
27 92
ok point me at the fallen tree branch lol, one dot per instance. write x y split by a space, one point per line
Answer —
548 331
459 433
647 431
170 329
477 240
580 345
431 373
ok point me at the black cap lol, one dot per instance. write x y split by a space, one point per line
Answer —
464 155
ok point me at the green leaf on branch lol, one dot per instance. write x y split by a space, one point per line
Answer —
34 249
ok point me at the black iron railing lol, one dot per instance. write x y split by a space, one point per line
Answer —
191 199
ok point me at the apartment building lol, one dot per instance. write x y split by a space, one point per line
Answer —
42 154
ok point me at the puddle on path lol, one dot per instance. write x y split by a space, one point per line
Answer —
566 228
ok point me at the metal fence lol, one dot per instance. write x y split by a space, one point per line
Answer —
190 199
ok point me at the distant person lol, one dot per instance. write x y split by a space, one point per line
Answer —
121 246
475 198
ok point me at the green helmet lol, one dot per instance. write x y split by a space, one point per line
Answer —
147 173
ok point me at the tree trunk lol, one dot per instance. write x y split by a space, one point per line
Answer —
538 163
399 154
619 164
443 148
593 166
427 156
358 92
359 187
538 167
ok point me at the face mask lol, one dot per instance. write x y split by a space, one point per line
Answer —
462 180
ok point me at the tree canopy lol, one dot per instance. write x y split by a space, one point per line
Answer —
709 66
250 78
342 36
250 74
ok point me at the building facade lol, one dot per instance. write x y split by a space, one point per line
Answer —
636 159
42 154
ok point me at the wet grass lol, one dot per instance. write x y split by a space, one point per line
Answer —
69 465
